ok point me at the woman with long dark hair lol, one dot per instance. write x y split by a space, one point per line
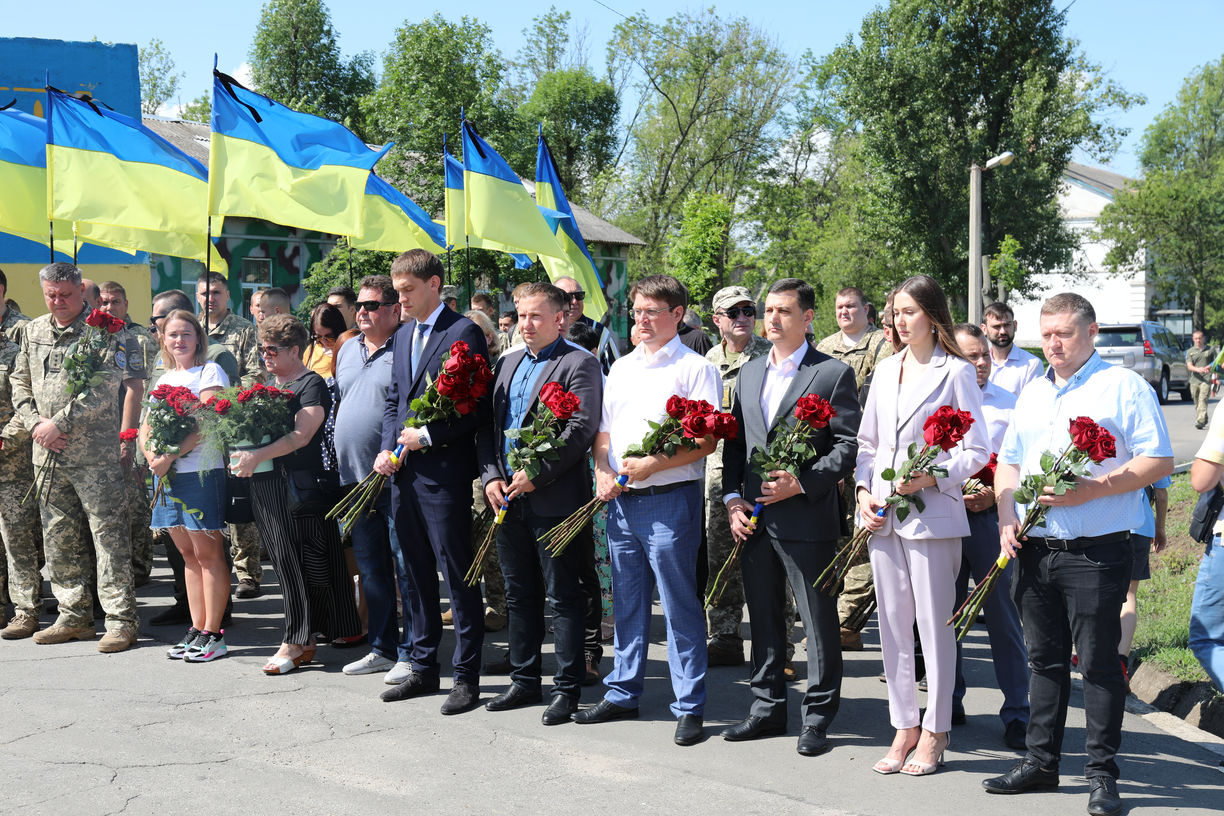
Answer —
915 560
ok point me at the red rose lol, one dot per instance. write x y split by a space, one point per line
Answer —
160 392
946 427
448 384
550 391
814 410
221 406
97 318
114 325
453 365
987 473
244 396
698 426
725 426
1083 432
700 407
677 407
465 406
459 348
479 368
1102 446
478 389
564 405
128 435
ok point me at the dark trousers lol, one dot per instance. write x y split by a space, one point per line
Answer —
381 565
1074 598
532 576
434 527
589 579
768 564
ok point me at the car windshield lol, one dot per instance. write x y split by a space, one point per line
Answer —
1123 336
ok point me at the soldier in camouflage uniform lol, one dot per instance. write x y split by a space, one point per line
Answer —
81 436
738 344
239 336
20 526
859 346
113 300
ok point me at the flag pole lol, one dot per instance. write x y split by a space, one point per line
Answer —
207 269
74 243
51 238
349 243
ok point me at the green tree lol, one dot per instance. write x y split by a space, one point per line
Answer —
709 93
340 267
579 116
936 86
158 80
698 254
1176 211
547 49
432 71
199 109
295 59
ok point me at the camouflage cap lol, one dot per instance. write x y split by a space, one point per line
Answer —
450 292
730 295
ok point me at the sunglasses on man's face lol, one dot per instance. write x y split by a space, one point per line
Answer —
374 305
735 311
577 295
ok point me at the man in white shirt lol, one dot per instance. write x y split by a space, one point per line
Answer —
1011 366
654 524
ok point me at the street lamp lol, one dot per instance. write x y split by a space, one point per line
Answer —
975 232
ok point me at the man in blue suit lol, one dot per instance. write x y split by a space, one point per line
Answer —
431 488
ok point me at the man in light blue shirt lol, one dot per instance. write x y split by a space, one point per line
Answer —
1075 569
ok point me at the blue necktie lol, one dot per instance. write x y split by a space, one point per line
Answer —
418 347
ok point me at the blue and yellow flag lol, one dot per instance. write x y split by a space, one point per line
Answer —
497 205
23 178
456 220
121 184
271 162
576 262
393 222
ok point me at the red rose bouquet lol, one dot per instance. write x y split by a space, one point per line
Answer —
242 416
942 431
1090 444
790 452
171 418
686 424
82 361
536 443
983 479
462 381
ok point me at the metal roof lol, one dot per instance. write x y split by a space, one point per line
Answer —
1103 181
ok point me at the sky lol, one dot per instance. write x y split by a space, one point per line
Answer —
1145 47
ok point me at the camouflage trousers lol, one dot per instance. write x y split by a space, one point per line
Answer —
856 601
244 546
494 583
81 497
140 516
21 533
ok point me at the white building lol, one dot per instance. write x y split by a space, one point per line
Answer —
1117 299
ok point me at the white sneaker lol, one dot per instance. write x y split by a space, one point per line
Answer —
398 674
373 662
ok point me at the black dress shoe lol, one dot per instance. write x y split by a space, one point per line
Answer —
559 710
175 615
603 711
812 742
1027 775
958 714
1014 733
1103 799
514 697
752 727
415 685
688 729
463 697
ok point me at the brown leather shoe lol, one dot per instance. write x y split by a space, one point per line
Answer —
448 617
59 633
851 641
21 626
788 671
117 640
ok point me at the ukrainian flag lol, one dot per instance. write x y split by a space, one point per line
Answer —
23 178
271 162
393 222
576 261
456 219
498 206
121 184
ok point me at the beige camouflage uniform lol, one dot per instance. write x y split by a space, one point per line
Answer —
857 597
726 616
20 526
84 489
139 513
240 337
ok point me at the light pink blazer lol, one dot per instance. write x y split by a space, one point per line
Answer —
891 422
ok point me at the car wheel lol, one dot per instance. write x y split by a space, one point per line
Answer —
1162 390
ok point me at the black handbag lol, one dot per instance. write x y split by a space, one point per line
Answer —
238 508
313 492
1206 512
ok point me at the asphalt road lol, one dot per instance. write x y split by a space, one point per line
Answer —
1186 439
135 733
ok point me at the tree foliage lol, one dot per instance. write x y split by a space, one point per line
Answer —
158 80
547 49
697 255
340 267
199 109
934 87
1176 212
296 60
578 114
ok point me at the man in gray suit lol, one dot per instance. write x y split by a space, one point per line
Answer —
535 506
796 535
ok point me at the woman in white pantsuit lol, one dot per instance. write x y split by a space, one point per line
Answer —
915 561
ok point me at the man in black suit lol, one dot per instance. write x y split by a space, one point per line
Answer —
535 506
796 535
431 488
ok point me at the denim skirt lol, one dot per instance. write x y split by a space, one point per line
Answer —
195 501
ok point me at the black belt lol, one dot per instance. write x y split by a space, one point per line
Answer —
1082 542
659 490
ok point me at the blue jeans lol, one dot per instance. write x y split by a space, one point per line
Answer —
381 564
1007 652
653 541
1207 613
